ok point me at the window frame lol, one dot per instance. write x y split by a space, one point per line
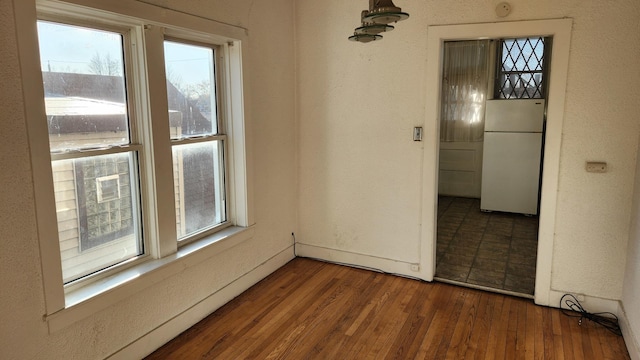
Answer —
221 127
499 73
148 25
137 145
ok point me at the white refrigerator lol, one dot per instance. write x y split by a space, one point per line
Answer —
511 156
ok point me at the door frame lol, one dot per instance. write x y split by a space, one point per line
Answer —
560 30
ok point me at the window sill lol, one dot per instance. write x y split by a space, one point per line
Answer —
97 296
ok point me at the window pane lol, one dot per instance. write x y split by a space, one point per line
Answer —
522 54
83 74
97 207
199 186
521 72
190 89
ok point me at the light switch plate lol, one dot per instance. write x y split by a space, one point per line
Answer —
417 133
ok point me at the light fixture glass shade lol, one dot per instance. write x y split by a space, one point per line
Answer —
386 17
365 38
373 29
383 12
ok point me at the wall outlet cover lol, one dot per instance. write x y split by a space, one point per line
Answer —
596 167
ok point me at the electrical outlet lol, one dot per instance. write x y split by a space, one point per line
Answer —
596 167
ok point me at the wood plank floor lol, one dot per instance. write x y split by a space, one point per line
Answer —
314 310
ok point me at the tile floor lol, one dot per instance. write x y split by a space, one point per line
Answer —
496 250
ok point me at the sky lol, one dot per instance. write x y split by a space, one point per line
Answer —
67 48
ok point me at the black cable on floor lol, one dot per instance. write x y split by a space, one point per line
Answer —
606 319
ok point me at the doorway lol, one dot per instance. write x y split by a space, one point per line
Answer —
560 30
491 140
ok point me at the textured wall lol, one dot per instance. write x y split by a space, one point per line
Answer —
631 285
270 60
601 123
21 299
360 172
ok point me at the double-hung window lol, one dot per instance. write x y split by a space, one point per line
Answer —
198 141
95 146
145 133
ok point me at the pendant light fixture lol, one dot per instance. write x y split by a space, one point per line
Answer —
369 31
384 12
376 20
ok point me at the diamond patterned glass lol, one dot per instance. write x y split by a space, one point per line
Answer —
520 75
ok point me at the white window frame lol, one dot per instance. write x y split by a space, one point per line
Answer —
221 126
149 25
138 144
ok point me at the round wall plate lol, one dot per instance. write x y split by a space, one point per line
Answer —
503 9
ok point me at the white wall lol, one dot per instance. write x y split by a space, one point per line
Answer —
23 333
357 106
360 176
631 285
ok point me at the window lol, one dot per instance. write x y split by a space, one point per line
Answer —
197 140
94 149
125 181
108 188
521 69
466 74
112 175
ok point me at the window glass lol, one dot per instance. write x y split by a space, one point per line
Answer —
84 85
97 212
521 73
199 187
96 194
191 89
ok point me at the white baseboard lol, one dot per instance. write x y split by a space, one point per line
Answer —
591 304
170 329
358 260
595 304
632 342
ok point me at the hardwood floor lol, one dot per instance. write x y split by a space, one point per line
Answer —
315 310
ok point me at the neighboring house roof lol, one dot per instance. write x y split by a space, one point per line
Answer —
73 106
70 115
101 87
81 103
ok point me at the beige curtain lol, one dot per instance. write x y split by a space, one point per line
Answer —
465 87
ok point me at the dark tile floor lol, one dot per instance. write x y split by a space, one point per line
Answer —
496 250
